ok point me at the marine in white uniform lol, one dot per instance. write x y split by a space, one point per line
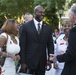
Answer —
61 46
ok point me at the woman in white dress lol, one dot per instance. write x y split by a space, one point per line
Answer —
9 37
61 46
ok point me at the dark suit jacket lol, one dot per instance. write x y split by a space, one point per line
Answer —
70 56
33 45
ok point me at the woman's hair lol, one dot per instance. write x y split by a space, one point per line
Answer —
9 26
67 21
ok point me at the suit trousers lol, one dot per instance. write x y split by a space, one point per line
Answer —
37 71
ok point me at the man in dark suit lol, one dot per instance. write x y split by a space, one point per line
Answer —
70 56
35 36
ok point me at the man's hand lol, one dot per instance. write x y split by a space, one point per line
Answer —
53 58
23 67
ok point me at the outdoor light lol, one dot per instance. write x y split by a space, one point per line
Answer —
60 15
60 12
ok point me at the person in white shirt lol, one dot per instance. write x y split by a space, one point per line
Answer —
61 45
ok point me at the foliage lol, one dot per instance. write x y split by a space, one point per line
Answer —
72 1
14 8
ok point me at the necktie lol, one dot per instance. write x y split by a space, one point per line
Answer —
39 29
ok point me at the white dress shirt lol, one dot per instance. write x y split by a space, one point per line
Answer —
36 23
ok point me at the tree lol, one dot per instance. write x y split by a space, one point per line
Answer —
14 8
71 2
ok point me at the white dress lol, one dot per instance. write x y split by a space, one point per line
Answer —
61 45
9 65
